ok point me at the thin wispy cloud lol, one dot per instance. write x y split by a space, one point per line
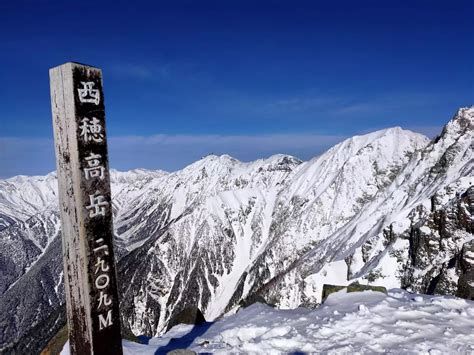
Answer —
21 156
385 103
357 108
304 103
172 152
26 156
139 71
240 106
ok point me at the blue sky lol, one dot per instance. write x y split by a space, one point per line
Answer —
249 78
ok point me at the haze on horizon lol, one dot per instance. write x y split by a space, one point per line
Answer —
186 79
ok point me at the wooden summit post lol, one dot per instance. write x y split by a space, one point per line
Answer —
85 206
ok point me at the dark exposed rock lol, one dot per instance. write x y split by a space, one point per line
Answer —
437 237
466 279
181 352
40 315
353 287
190 315
56 344
254 298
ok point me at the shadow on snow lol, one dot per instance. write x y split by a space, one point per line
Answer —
186 340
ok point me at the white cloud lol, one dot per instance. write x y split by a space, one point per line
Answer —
22 156
139 71
171 152
26 156
304 103
358 108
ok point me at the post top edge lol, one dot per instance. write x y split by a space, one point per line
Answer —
75 64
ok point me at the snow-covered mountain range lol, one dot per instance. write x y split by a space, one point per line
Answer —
389 208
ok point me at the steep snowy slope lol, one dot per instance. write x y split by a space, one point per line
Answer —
164 200
24 196
29 220
325 195
441 171
429 240
235 237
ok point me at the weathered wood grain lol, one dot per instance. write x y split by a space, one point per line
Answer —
85 209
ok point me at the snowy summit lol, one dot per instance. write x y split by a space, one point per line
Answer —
347 323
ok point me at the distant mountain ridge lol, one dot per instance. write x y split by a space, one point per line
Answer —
390 207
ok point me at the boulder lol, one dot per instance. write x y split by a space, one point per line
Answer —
254 298
56 344
189 315
353 287
181 352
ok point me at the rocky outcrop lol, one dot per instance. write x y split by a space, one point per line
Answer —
190 315
353 287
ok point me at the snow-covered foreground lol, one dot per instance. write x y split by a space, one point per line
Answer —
359 322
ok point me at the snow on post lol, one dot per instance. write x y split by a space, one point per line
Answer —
77 102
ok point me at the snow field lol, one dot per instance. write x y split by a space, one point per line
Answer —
350 323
